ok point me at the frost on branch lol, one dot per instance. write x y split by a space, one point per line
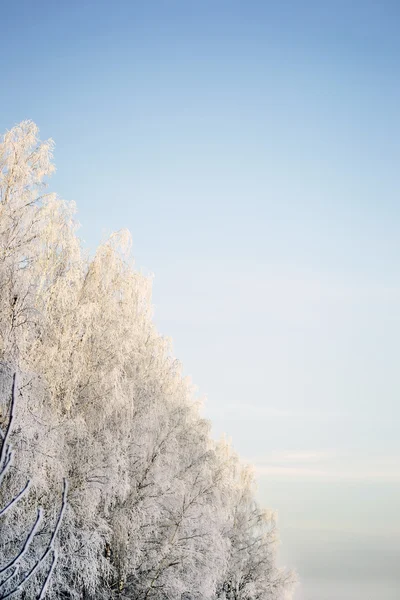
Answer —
23 562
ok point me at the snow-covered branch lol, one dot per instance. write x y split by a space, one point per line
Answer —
12 577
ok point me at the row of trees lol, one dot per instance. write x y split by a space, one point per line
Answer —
156 509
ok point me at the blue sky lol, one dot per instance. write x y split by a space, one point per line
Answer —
252 149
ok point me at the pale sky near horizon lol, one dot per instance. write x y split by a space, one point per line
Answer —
252 149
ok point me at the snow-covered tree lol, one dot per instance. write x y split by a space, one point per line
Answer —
252 572
156 509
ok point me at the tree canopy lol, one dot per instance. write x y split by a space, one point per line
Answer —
156 509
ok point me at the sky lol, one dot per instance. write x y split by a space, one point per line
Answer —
252 149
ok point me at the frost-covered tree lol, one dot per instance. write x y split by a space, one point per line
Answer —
156 509
36 237
252 572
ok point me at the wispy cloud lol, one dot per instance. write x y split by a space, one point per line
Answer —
263 411
330 466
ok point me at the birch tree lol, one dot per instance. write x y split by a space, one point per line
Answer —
156 509
252 571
